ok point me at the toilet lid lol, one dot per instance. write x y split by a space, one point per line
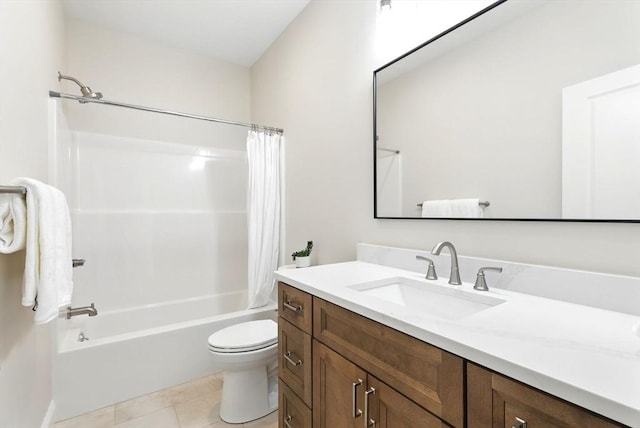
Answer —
244 337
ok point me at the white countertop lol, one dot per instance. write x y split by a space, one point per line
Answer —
585 355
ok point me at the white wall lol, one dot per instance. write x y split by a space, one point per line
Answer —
31 51
316 83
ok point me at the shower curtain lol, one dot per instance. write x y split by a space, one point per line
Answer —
263 206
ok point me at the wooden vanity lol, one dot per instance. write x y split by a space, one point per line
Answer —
340 369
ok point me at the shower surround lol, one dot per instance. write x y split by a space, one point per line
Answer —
163 227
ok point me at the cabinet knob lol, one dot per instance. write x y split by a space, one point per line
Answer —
519 423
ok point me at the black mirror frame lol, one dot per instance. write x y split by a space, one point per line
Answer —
375 133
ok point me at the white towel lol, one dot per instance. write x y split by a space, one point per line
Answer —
453 208
47 270
13 223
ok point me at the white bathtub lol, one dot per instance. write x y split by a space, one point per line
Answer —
140 350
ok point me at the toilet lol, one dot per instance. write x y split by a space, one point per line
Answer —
247 353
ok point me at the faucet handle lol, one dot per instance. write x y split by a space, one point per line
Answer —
481 283
431 270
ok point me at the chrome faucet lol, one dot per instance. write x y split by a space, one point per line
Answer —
84 310
454 277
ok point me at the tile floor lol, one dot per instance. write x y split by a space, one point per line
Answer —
190 405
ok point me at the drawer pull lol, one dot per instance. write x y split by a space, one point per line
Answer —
286 421
287 356
288 304
519 423
356 412
368 423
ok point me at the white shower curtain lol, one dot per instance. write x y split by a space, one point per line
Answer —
263 152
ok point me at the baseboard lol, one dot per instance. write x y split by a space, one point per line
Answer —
49 417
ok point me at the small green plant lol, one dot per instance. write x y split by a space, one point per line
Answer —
303 253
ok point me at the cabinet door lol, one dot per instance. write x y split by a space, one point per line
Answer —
389 409
292 413
338 387
495 401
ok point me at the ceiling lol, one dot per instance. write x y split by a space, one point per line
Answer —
235 31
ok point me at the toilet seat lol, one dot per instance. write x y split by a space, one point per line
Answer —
244 337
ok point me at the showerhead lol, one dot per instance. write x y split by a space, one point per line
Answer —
88 93
84 89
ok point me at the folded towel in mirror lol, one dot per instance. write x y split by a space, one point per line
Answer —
452 208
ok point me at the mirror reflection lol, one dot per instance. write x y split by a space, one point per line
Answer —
530 110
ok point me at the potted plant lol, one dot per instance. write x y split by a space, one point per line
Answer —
302 257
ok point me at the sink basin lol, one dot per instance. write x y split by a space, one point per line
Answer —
430 299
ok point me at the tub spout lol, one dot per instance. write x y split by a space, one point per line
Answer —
83 310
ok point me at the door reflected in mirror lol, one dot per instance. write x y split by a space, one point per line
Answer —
529 110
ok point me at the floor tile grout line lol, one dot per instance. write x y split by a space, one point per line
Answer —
115 425
175 412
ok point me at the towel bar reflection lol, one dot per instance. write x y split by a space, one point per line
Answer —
483 204
20 190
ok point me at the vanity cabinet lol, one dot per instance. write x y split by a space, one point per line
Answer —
494 400
338 368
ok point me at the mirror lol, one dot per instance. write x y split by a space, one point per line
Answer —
529 110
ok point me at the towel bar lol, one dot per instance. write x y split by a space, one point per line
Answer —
483 204
21 190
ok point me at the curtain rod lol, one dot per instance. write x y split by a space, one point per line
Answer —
84 100
384 149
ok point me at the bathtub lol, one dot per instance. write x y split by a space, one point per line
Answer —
139 350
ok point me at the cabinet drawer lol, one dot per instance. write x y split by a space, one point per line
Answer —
295 306
292 413
497 401
427 375
294 359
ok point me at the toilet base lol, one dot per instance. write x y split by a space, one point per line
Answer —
245 395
